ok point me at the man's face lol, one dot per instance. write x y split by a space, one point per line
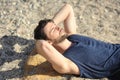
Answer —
53 32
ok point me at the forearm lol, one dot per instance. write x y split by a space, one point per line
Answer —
50 53
62 14
66 15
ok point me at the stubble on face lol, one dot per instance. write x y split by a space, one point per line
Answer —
62 38
59 39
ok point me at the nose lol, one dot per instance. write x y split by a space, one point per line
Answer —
57 28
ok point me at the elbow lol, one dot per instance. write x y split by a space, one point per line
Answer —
68 5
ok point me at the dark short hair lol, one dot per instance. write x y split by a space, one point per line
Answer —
39 32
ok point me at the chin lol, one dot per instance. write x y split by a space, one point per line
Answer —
62 38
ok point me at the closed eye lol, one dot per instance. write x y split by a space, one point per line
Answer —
52 30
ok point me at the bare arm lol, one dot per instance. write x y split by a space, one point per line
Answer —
58 61
66 15
49 52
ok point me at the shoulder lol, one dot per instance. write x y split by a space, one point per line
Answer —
74 37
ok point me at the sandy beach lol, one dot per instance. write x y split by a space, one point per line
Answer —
99 19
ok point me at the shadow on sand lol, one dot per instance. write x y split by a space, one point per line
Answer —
8 55
27 67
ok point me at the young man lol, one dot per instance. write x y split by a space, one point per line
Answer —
70 53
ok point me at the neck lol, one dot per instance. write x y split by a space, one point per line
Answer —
62 46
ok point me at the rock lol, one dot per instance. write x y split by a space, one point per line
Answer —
9 66
17 48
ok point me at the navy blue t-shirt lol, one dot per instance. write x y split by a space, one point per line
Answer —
94 58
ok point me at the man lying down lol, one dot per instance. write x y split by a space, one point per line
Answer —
70 53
